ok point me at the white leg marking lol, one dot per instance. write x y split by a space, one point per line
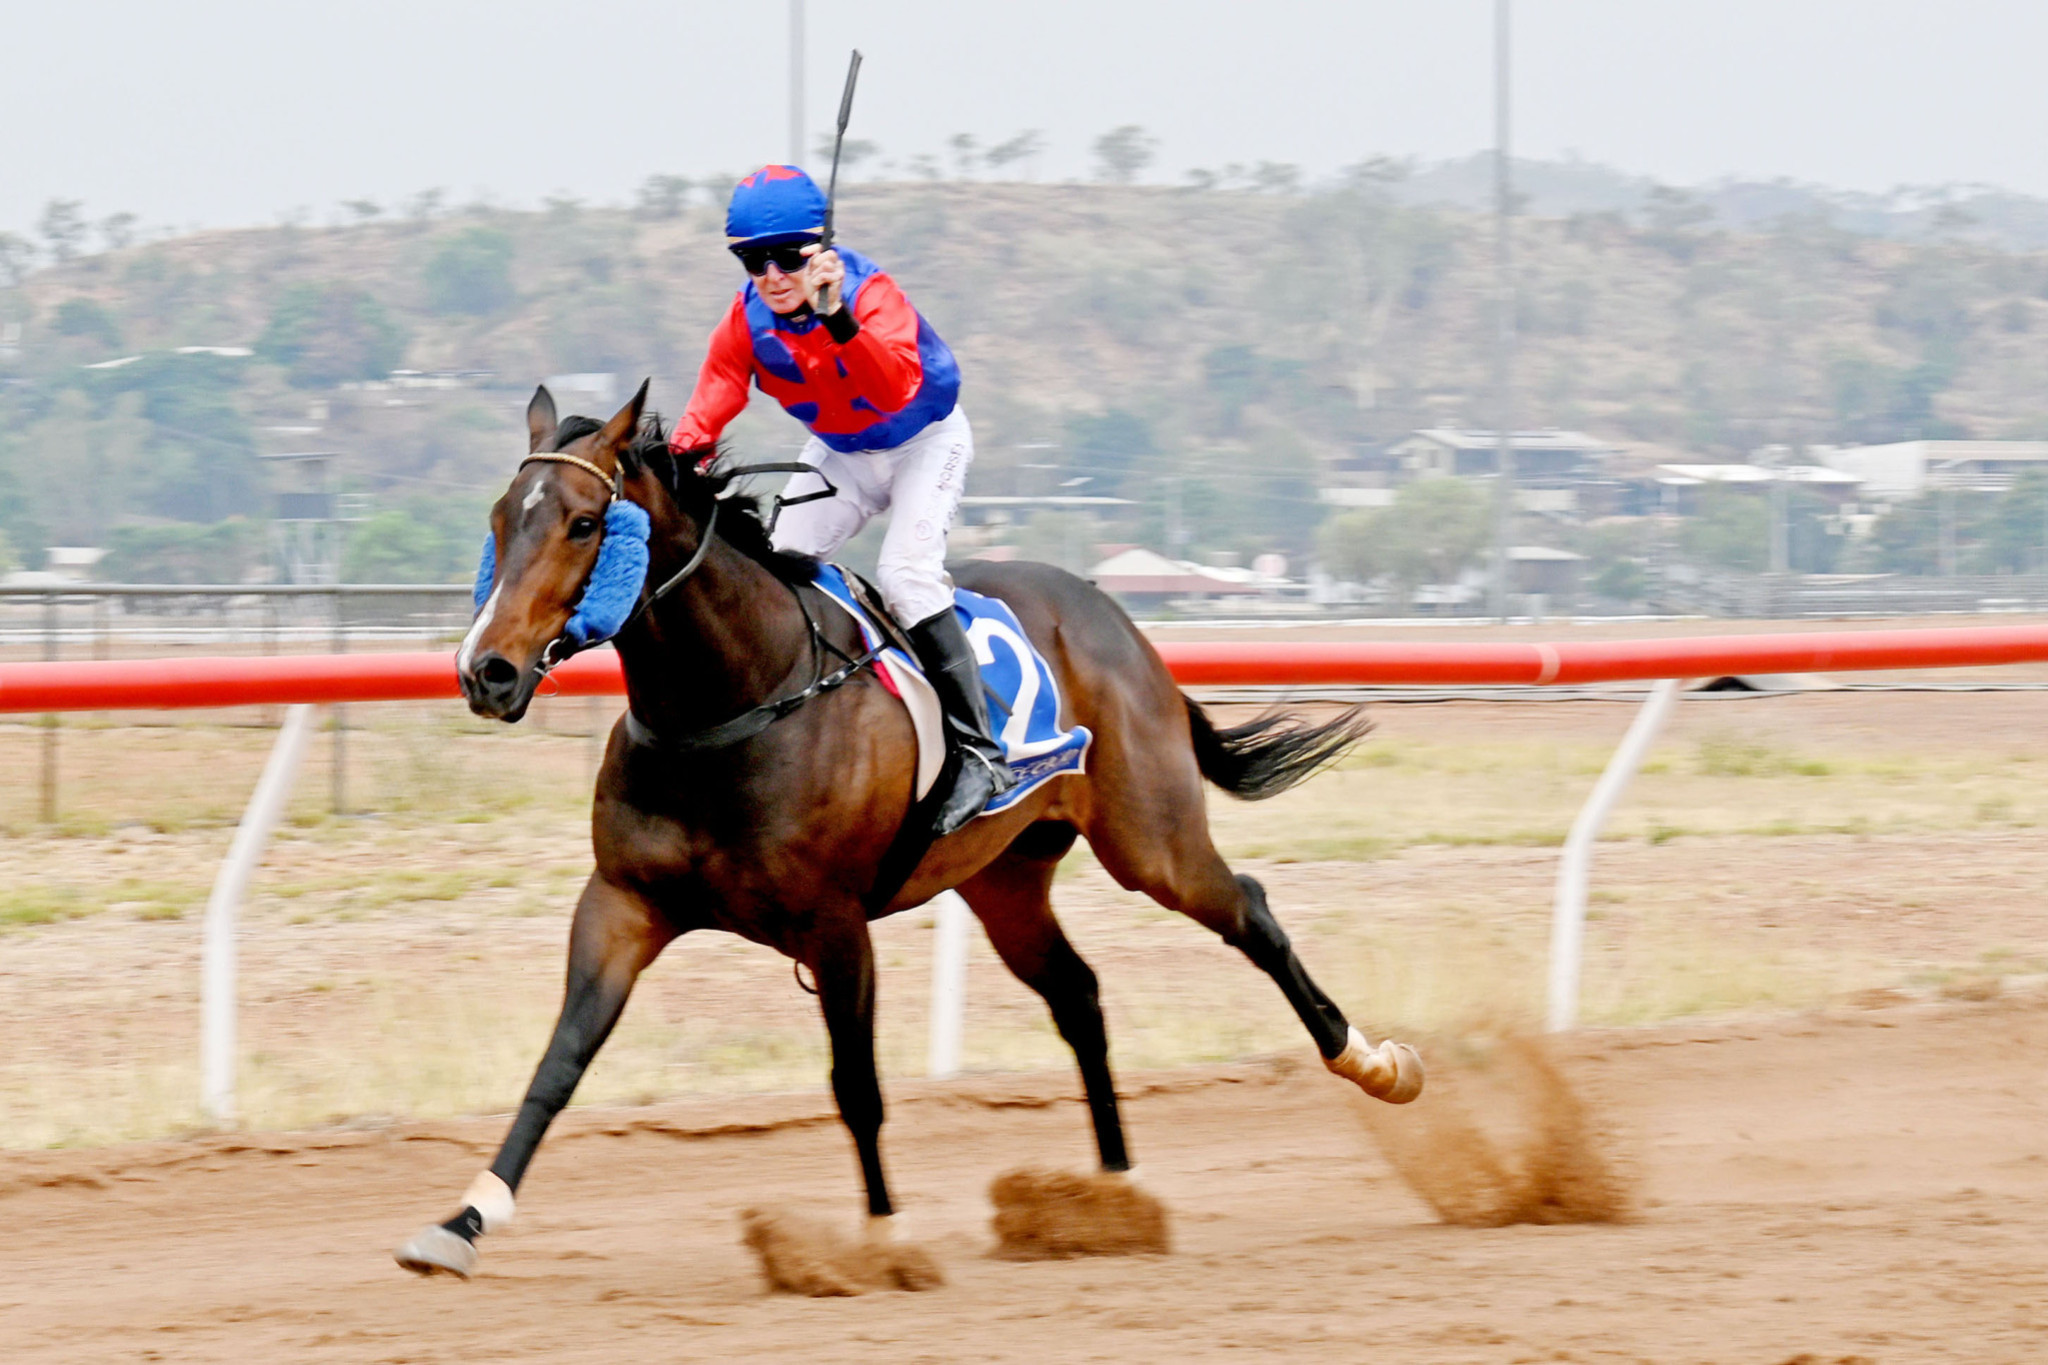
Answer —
1359 1062
483 618
491 1198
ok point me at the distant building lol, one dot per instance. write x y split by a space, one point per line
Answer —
1906 469
1145 578
1542 458
1552 468
1546 570
1355 497
63 565
1677 486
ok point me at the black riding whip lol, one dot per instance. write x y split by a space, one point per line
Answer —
838 141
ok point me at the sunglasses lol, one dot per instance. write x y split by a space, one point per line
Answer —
789 259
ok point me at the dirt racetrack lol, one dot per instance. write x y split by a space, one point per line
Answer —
1869 1184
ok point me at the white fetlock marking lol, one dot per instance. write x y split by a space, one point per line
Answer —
491 1198
881 1227
1356 1061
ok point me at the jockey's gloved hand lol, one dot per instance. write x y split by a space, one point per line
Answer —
681 446
822 279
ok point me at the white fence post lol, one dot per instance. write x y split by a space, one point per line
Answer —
1568 911
217 959
949 984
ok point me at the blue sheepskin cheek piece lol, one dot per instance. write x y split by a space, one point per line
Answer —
617 577
486 570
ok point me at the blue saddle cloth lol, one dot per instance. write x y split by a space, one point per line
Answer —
1024 697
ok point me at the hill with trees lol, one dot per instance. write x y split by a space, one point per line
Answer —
1209 351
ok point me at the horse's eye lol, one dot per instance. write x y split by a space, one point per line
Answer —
583 528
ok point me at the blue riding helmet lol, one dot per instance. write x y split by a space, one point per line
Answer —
774 205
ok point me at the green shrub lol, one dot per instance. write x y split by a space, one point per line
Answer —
472 274
326 335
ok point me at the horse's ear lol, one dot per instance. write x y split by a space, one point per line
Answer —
625 424
540 419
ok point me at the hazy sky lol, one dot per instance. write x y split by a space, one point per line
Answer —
223 112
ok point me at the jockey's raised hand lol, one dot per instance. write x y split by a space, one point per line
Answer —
824 274
814 286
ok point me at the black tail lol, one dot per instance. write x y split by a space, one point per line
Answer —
1265 756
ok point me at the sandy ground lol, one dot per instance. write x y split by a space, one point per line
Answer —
1416 880
1870 1185
1852 1170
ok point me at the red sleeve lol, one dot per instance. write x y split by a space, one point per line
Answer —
721 392
882 359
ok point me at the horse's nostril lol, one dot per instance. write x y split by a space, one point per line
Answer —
496 671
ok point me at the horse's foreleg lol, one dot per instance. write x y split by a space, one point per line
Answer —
613 938
843 960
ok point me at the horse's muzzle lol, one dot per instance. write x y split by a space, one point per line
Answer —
498 689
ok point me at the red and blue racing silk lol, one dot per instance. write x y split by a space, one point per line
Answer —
893 378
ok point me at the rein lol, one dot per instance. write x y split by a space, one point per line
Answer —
711 523
756 719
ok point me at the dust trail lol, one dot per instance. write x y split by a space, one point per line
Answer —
1052 1215
1554 1165
801 1254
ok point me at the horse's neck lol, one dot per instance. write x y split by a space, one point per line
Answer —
723 641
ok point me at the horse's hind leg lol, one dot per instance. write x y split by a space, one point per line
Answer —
1181 870
1012 898
612 939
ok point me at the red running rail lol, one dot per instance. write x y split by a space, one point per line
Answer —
156 684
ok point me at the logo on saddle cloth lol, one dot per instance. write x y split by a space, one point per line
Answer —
1024 697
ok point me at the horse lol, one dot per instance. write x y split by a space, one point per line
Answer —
735 796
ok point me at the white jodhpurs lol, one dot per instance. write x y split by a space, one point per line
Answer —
921 480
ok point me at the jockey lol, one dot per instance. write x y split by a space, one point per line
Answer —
830 337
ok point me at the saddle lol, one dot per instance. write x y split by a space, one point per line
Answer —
1020 685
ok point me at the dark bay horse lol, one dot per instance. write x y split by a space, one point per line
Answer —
781 836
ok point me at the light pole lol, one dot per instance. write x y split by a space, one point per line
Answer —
796 82
1777 459
1504 322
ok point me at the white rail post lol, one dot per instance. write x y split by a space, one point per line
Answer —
949 985
217 958
1568 911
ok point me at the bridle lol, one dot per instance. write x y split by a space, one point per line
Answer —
755 719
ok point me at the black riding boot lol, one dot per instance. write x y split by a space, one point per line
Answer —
948 661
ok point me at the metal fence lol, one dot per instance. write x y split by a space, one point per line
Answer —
99 618
1818 596
125 620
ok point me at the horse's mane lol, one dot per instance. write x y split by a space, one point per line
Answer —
739 525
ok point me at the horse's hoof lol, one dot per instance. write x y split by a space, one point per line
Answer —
1407 1073
436 1250
1391 1072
